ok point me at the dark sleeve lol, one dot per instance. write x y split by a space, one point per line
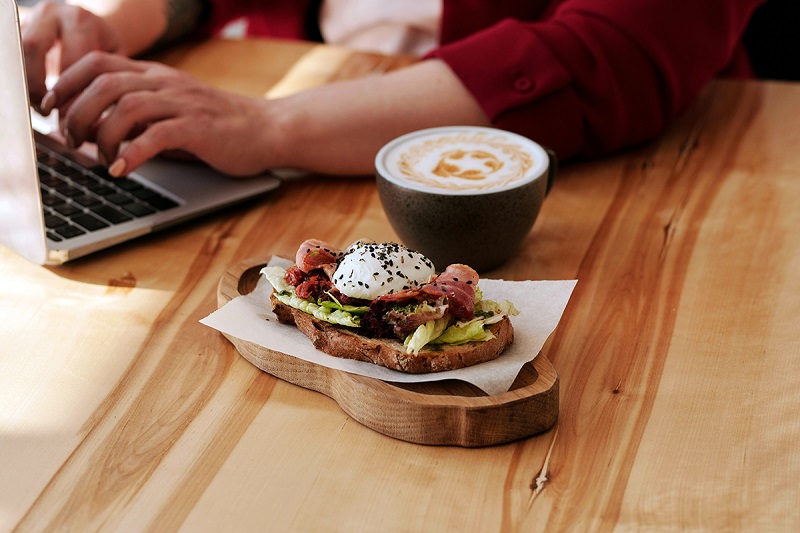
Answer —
598 75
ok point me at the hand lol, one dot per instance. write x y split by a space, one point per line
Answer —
76 30
108 99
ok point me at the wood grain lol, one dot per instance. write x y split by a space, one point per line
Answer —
677 360
286 67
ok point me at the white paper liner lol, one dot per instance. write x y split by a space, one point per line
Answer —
541 304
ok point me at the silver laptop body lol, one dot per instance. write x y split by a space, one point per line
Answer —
189 189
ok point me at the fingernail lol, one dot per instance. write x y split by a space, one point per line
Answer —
102 158
117 168
48 102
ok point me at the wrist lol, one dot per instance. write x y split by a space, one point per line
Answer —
137 25
287 134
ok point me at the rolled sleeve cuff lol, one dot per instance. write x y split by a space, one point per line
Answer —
519 83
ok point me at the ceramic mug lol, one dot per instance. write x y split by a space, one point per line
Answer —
463 194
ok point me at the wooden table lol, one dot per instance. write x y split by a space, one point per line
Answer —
679 353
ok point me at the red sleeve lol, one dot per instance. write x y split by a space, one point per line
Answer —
276 18
598 75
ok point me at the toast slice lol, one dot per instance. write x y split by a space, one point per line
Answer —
339 341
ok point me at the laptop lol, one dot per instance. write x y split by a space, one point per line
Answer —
57 205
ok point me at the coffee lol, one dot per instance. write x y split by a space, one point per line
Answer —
462 161
463 194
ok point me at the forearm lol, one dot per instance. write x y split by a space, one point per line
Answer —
338 128
144 24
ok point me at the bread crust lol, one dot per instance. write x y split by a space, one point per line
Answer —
339 341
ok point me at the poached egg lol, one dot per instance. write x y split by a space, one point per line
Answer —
369 270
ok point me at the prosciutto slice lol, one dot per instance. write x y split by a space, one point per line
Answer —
457 284
314 253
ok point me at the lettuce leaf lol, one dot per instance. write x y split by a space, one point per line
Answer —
333 316
277 278
495 311
425 333
335 304
285 293
487 312
462 333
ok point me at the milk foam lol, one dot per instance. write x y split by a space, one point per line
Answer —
462 160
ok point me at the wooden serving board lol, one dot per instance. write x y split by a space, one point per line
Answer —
448 412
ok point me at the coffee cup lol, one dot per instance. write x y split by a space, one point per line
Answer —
463 194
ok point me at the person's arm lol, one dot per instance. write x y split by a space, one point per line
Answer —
339 128
333 129
126 27
593 77
139 24
145 24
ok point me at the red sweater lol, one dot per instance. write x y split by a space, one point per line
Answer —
583 77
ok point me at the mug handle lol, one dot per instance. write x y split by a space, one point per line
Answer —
552 169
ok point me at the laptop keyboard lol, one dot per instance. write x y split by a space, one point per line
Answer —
78 200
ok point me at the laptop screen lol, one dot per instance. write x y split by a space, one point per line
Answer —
21 218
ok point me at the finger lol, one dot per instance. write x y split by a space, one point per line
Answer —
159 137
39 34
98 98
129 117
76 78
37 74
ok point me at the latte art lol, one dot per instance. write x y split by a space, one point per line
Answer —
473 165
463 161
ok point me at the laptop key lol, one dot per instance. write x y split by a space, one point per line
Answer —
50 179
138 210
162 203
86 200
85 181
69 231
89 222
46 157
53 221
117 199
127 184
156 200
61 167
50 199
102 173
71 172
68 191
67 209
111 214
101 189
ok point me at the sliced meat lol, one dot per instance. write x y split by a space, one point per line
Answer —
314 253
457 284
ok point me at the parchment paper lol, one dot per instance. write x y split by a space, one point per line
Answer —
541 304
